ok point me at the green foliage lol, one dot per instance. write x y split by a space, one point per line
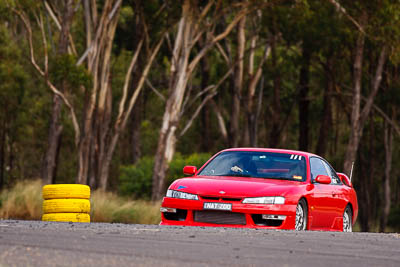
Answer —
4 10
394 218
64 68
126 16
317 26
135 180
149 131
120 65
179 161
12 75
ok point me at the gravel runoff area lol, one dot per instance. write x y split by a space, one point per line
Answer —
36 243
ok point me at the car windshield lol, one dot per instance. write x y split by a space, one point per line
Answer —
266 165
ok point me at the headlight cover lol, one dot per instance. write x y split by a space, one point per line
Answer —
182 195
264 200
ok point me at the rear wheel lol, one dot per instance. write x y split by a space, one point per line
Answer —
301 216
347 220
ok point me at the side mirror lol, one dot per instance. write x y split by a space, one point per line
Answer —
323 179
345 179
189 170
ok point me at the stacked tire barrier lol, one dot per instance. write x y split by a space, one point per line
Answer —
66 203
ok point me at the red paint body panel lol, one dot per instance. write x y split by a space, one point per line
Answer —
325 202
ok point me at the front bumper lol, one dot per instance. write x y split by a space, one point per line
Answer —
244 215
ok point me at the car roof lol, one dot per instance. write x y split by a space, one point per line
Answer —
274 150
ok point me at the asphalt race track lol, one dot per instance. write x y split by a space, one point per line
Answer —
35 243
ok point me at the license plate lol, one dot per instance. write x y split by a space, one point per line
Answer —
217 206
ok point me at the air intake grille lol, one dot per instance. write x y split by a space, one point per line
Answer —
231 199
219 217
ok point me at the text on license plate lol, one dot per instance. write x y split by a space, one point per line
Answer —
217 206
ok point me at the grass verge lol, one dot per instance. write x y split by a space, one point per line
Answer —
24 201
109 207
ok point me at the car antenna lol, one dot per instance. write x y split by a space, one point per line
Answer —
351 172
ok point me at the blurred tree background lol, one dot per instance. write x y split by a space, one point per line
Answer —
121 95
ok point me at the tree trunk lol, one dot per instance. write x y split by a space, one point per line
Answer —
388 144
275 109
206 140
370 178
50 163
367 169
303 99
104 107
124 114
136 119
50 160
234 132
358 118
253 106
98 109
364 194
221 123
250 117
253 123
103 121
326 122
2 151
181 71
355 134
178 81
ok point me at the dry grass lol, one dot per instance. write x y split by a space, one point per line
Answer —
108 207
24 201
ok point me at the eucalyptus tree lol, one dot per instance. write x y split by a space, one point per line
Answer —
375 26
253 48
196 20
98 56
96 135
67 10
367 18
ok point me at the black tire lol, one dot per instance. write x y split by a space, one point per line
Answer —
347 220
301 218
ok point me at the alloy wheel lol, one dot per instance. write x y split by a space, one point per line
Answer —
301 217
347 225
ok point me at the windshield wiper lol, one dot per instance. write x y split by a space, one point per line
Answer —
235 174
277 178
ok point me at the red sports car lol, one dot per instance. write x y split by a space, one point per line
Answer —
262 188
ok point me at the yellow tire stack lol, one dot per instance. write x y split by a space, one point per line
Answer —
66 203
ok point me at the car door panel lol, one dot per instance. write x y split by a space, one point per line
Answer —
323 209
339 193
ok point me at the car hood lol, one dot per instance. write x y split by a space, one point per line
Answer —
235 186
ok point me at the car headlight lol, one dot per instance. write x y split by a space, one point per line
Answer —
264 200
183 195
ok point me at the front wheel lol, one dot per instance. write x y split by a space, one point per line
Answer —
301 216
347 220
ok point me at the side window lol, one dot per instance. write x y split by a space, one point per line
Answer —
332 174
317 167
